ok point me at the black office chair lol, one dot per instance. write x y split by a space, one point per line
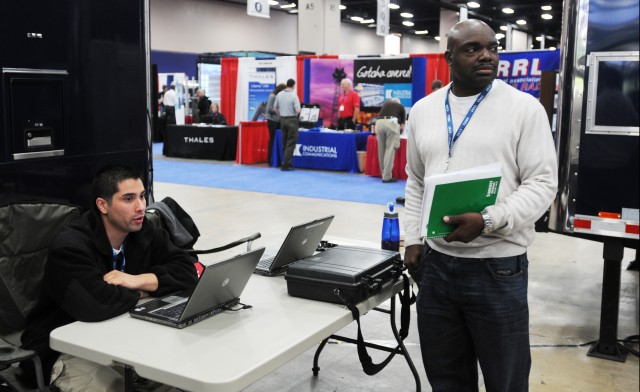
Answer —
26 230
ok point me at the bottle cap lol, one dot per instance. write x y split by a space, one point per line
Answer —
390 212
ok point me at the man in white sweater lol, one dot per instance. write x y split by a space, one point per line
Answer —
472 300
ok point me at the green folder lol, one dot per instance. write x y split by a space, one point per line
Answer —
458 198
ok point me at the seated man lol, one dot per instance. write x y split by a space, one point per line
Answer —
98 267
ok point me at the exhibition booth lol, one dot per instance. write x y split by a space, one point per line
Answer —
246 82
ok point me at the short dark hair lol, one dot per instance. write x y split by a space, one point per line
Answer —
436 84
291 83
105 183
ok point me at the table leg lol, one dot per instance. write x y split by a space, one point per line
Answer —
316 368
128 378
403 349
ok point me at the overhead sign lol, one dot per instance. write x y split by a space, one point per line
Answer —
258 8
382 20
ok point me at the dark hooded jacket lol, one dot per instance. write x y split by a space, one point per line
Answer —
73 288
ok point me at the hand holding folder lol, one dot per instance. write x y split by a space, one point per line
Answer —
469 190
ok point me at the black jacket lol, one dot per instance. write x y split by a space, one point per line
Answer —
73 288
204 106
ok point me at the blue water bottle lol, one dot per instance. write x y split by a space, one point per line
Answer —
391 229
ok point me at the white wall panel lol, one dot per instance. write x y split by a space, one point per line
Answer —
199 26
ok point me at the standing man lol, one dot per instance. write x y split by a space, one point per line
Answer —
348 105
98 267
472 303
161 98
389 126
287 105
170 101
273 119
204 103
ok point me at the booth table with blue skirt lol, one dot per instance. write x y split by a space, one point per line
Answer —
323 150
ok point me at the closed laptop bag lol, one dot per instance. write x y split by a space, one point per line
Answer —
343 273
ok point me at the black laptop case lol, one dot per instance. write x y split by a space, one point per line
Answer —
343 273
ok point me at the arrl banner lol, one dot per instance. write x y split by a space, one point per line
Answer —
523 70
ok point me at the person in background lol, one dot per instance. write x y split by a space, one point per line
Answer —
161 99
273 119
348 106
472 299
217 117
99 267
287 105
389 125
204 103
170 101
436 85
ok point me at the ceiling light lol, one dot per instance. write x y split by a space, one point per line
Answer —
499 36
499 47
422 32
356 18
273 2
546 8
293 11
521 22
546 16
507 10
552 48
393 6
343 7
538 38
473 4
363 21
290 5
407 23
504 28
372 25
406 15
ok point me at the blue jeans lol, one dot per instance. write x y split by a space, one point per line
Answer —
470 311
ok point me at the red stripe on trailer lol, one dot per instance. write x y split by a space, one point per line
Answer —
581 224
632 229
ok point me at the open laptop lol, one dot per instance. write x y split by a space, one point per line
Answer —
218 288
301 242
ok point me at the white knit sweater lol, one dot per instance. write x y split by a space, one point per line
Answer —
508 126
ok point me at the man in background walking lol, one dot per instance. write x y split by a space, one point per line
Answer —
288 106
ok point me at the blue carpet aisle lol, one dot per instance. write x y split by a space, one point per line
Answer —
306 183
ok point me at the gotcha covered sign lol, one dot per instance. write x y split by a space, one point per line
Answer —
523 70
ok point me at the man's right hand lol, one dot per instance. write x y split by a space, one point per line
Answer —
413 256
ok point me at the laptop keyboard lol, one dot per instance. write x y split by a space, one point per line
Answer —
265 264
172 312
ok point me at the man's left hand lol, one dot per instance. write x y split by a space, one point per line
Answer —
145 282
470 225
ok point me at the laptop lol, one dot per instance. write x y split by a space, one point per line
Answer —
218 288
302 241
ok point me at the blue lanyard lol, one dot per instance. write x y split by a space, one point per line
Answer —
118 258
467 118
